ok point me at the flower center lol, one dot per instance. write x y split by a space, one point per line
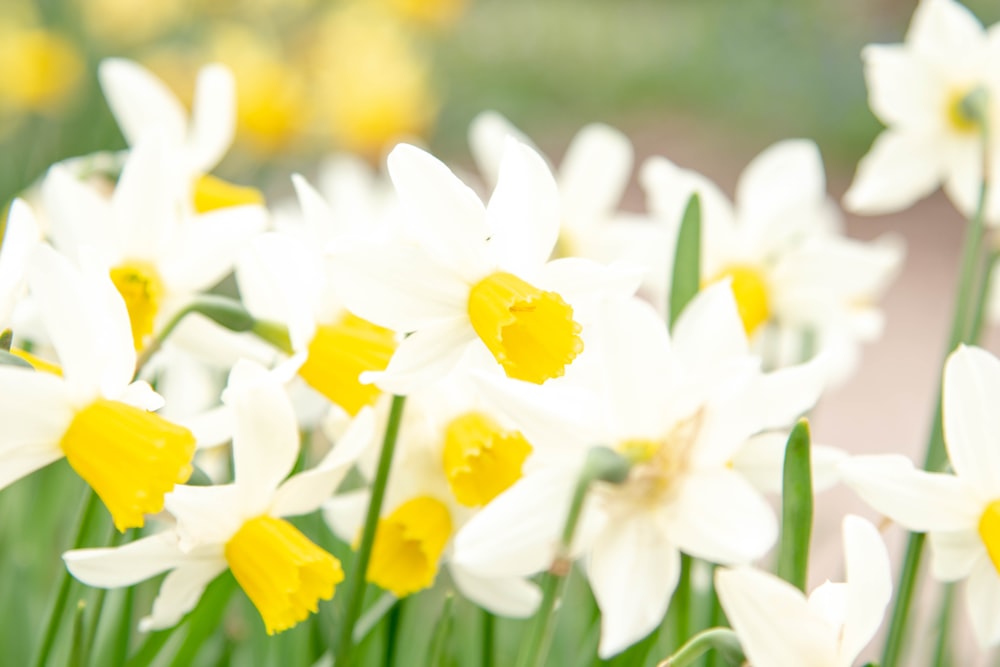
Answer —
531 333
750 292
989 532
339 353
283 573
481 460
958 113
130 457
408 546
140 285
657 465
212 193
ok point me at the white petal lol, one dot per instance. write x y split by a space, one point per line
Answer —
425 356
785 175
761 459
77 214
446 216
943 29
180 593
144 203
319 217
523 213
955 554
211 242
668 189
918 500
583 282
397 286
21 460
721 518
899 169
126 565
140 102
773 620
266 437
306 491
971 420
488 133
506 596
900 92
206 514
983 599
345 513
36 407
709 334
21 234
141 395
213 117
633 570
869 581
594 173
516 534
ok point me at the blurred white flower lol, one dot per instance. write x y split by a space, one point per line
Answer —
240 526
961 512
20 236
778 626
793 273
921 90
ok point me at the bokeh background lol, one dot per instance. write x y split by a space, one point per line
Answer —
708 83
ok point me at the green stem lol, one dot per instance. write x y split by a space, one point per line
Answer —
985 289
602 464
682 602
95 621
722 640
941 650
796 508
936 456
87 517
442 632
355 588
124 631
374 615
486 640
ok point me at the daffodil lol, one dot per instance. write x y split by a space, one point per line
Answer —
455 454
157 256
91 412
961 511
678 407
935 93
779 626
241 526
461 275
793 273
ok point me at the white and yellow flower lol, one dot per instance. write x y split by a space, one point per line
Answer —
241 526
779 626
793 273
961 511
679 407
464 275
88 409
925 91
454 456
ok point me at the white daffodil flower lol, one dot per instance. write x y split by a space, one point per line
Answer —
20 235
960 512
455 454
463 275
286 279
144 106
592 178
240 526
778 626
792 272
679 407
157 256
921 90
93 414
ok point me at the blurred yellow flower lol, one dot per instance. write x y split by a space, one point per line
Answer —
431 13
39 69
126 22
373 85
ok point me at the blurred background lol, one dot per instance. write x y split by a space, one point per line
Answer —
707 83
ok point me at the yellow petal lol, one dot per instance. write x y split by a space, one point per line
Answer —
751 293
408 546
141 287
481 460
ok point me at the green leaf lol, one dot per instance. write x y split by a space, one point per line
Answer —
442 632
796 508
722 640
78 642
8 359
224 311
686 279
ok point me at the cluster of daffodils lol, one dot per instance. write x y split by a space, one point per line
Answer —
478 385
